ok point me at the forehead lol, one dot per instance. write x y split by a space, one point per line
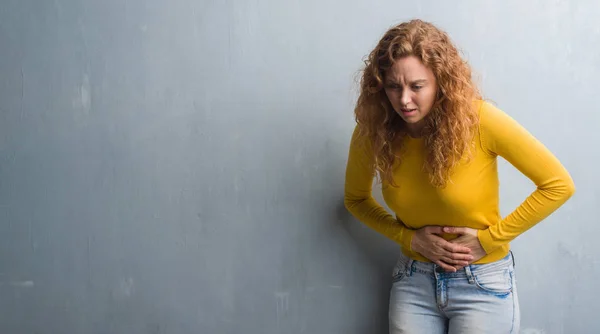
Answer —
408 69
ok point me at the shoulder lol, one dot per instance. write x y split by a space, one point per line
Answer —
497 128
358 136
489 114
494 125
493 118
360 141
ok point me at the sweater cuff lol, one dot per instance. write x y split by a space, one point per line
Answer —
486 240
406 238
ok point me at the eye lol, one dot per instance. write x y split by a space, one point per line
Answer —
417 87
392 86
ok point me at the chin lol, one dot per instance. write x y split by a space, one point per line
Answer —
412 120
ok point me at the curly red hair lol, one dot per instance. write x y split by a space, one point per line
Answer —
452 121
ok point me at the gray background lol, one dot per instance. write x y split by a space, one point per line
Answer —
177 166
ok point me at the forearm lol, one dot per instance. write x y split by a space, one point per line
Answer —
536 207
372 214
503 136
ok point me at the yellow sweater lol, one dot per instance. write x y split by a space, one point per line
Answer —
471 197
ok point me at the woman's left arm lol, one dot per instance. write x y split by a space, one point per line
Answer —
502 135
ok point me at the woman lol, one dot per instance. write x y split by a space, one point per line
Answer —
424 130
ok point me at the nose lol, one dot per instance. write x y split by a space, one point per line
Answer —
405 97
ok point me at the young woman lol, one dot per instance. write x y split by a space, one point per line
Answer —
424 130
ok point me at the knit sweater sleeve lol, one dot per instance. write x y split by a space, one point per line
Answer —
358 198
501 135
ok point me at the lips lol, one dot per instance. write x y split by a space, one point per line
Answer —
408 111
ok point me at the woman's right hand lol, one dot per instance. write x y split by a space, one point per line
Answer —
427 242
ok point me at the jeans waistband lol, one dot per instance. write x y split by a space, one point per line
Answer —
412 266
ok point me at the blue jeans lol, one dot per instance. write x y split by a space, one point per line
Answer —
477 299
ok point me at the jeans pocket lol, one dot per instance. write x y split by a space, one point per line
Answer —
496 282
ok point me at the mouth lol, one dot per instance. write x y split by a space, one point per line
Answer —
408 112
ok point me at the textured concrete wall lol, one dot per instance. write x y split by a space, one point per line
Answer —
177 166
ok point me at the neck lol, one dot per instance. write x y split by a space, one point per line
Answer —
415 130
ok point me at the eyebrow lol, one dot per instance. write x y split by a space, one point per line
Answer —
418 81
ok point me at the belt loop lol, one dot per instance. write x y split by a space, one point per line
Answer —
512 255
469 274
409 267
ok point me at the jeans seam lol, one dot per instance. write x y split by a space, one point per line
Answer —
512 296
512 256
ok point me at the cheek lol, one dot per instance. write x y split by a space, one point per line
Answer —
427 98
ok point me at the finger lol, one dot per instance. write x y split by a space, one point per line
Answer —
455 230
460 240
453 262
445 266
460 256
454 248
434 230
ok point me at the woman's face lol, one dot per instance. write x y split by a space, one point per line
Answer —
411 88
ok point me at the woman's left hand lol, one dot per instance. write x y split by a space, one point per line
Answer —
468 238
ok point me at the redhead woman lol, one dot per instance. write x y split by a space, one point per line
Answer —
425 133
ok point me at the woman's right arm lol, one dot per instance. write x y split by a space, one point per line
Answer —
358 199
